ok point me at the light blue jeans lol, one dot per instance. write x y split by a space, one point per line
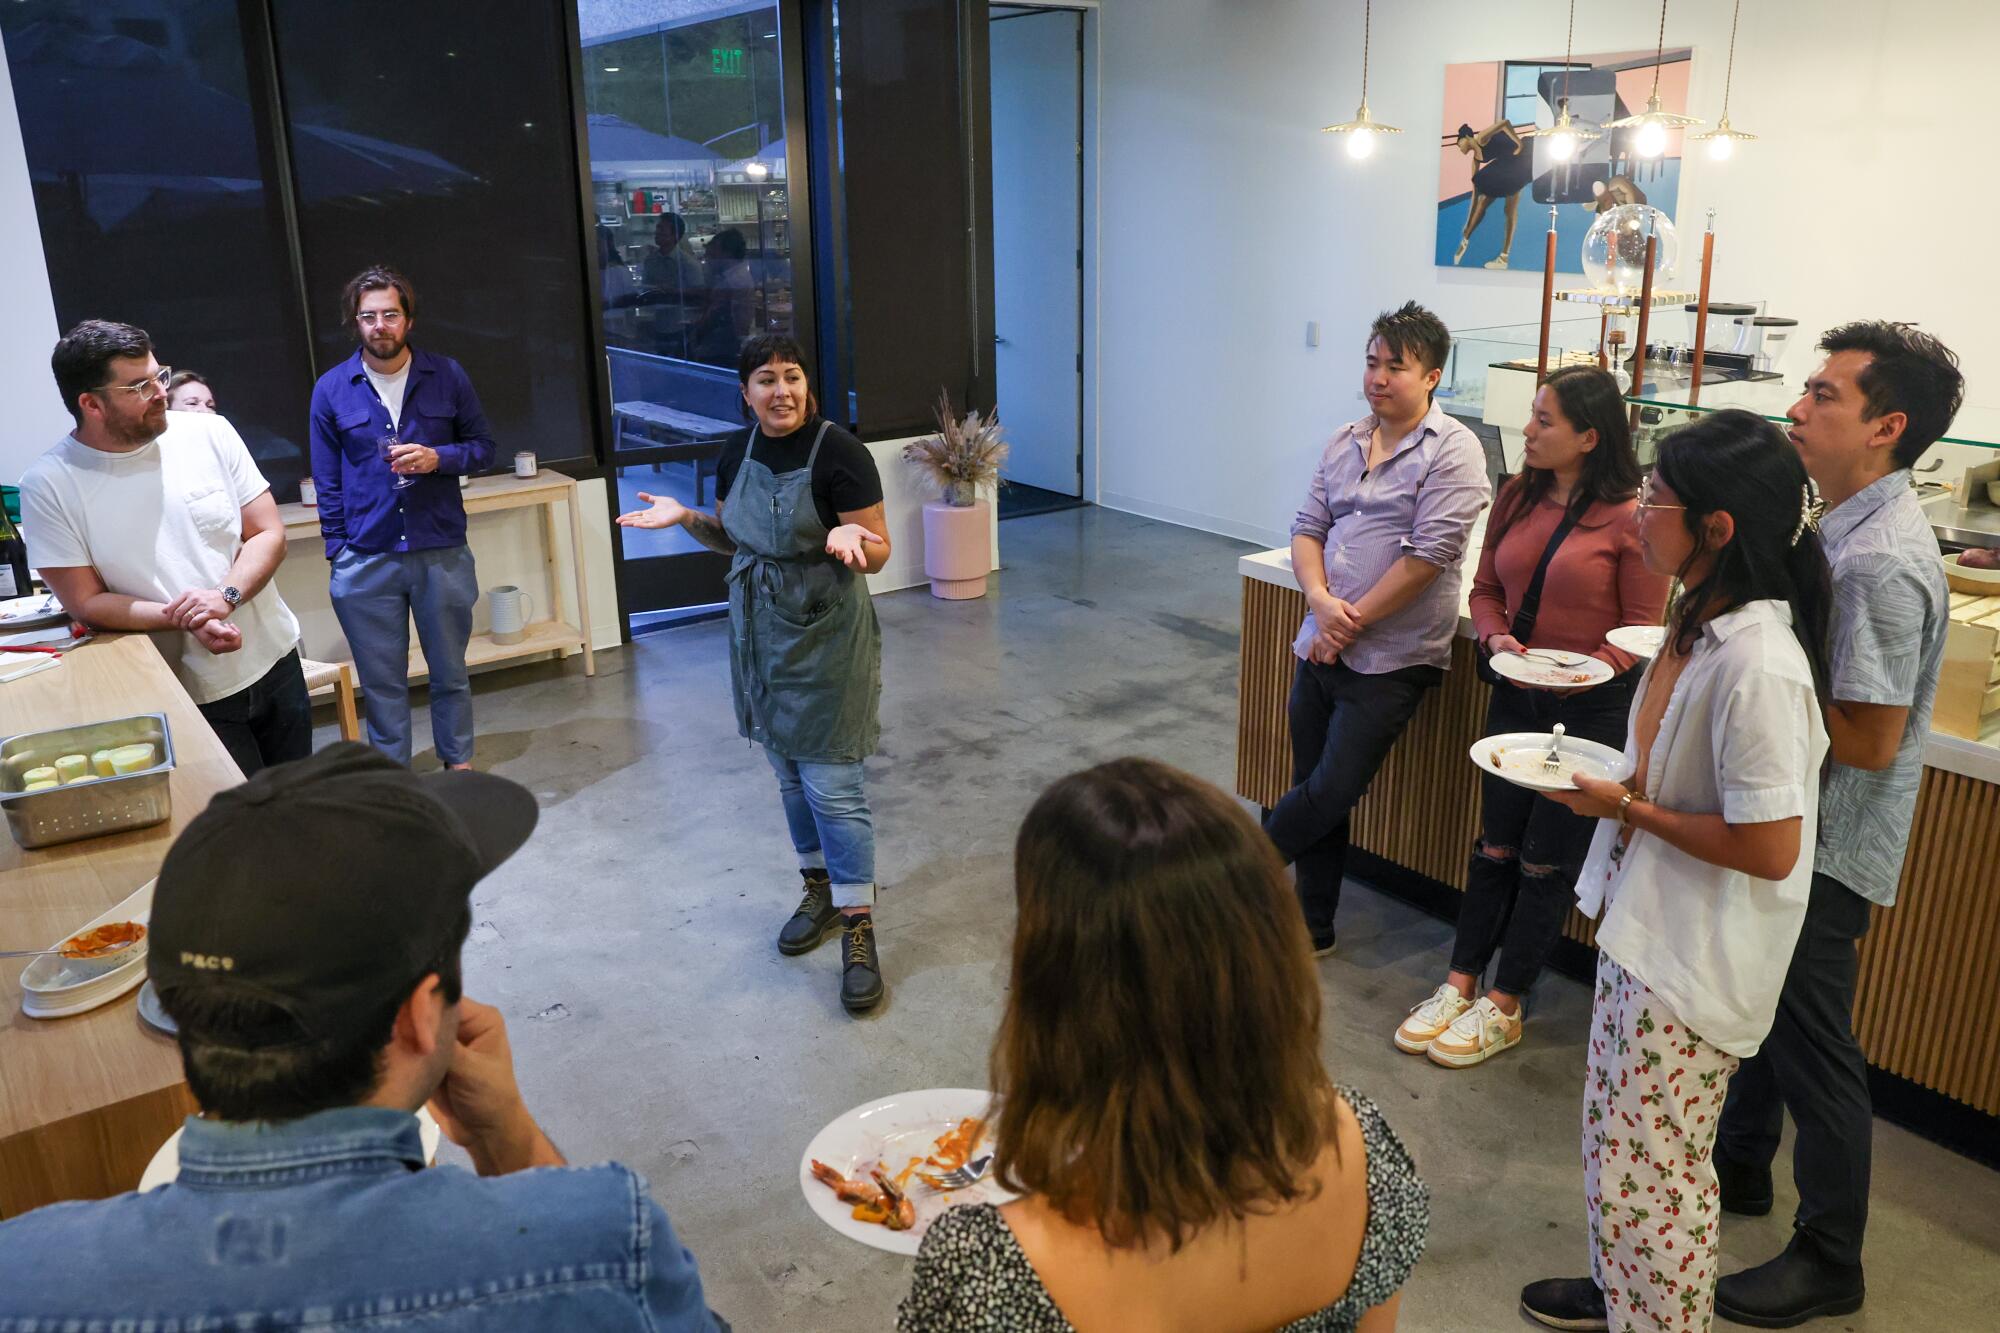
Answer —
826 810
375 597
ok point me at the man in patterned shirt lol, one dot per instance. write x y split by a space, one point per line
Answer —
1883 395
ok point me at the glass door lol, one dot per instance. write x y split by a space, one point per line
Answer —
685 112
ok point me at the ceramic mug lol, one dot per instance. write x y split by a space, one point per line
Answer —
508 608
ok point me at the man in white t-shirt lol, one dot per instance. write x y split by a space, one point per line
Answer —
145 519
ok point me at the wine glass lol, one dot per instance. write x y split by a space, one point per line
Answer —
388 444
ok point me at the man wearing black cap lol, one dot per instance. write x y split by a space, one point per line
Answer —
318 1009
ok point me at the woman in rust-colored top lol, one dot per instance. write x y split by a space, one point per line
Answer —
1522 880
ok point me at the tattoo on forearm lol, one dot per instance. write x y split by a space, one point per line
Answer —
708 531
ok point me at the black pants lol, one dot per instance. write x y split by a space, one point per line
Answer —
1812 1066
1515 902
268 723
1343 724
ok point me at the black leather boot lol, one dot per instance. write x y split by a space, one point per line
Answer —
1798 1285
861 977
816 918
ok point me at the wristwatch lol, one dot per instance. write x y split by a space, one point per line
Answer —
231 594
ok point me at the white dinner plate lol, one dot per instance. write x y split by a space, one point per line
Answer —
165 1167
153 1011
888 1132
1552 669
1638 640
1516 757
19 613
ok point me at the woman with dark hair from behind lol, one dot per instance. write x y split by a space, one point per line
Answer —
1700 869
1560 569
1183 1161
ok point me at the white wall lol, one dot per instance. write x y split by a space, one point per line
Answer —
34 418
1227 221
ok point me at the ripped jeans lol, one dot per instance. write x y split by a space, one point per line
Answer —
1522 880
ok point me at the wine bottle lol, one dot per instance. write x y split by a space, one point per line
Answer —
13 560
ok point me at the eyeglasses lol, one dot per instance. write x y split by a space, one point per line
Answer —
386 318
149 388
1646 500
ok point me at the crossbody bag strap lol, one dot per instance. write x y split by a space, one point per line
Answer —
1531 600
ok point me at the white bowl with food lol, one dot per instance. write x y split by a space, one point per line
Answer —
75 980
1970 579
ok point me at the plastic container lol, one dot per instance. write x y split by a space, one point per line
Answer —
109 805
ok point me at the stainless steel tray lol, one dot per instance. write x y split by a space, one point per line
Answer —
109 805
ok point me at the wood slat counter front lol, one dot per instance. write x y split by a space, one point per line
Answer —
86 1101
1937 951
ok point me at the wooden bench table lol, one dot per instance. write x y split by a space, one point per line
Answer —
699 431
85 1101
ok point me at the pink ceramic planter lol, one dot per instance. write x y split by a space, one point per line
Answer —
958 548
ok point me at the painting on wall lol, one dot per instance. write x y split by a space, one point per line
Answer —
1498 175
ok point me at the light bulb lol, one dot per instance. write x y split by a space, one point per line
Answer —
1562 145
1651 140
1360 143
1721 149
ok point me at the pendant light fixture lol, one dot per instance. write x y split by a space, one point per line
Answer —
1652 124
1362 131
1567 137
1722 140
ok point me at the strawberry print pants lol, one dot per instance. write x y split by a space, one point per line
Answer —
1652 1096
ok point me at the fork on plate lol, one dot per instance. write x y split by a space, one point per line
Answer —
962 1177
1551 762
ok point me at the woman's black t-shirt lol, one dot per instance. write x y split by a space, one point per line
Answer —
844 475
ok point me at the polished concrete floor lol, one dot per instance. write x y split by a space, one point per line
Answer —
629 944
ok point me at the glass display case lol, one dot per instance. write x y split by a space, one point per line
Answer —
1952 475
1475 353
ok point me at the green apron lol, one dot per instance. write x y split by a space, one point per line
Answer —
805 651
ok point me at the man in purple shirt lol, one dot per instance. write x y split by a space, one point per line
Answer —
1376 550
393 428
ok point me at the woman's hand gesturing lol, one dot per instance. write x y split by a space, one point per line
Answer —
847 544
666 512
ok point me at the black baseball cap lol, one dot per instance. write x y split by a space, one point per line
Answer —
322 888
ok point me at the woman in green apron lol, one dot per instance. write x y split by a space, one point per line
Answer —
798 510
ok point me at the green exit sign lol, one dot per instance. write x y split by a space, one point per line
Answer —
726 61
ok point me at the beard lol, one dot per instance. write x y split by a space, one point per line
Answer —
385 346
143 429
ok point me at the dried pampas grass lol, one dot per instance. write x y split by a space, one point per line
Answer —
963 455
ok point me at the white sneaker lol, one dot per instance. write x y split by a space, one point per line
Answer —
1479 1033
1429 1020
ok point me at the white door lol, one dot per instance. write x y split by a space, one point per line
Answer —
1037 244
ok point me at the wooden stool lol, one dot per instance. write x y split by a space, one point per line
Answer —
340 679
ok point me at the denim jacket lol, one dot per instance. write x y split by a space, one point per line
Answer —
330 1222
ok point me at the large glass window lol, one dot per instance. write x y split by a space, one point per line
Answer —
149 167
687 148
437 144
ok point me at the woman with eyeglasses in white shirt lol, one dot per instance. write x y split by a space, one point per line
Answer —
1698 875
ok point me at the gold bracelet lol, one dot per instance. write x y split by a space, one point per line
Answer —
1624 808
